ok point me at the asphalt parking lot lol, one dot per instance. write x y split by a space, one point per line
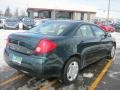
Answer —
86 77
111 80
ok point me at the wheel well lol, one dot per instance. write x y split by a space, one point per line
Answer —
75 55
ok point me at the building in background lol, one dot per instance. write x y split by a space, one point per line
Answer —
75 13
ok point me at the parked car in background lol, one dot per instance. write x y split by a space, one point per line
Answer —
28 23
40 21
59 48
106 26
37 21
12 23
117 26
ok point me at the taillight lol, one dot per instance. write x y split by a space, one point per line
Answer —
45 46
7 41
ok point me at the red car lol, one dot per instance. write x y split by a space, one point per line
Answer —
106 27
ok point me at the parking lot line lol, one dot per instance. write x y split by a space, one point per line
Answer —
100 76
11 80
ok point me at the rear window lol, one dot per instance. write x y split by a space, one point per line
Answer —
52 28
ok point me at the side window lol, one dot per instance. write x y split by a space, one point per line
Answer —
98 31
86 31
78 33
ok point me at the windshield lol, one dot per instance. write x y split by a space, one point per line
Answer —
12 20
52 28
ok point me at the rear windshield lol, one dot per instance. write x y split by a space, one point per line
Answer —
52 28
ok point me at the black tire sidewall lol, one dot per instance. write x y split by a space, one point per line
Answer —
64 75
110 56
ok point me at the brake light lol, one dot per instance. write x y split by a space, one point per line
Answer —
7 41
45 46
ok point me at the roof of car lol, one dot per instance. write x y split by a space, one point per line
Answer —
67 20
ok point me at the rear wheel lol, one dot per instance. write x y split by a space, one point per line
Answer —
71 71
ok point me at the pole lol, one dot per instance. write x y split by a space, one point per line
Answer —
108 15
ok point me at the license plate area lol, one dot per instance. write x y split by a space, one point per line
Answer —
16 59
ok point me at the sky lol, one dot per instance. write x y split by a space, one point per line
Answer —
23 4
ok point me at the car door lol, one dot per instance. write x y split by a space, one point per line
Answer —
88 46
104 41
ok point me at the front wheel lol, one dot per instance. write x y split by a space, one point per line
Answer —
71 71
112 52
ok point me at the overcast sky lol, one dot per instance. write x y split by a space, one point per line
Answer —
23 4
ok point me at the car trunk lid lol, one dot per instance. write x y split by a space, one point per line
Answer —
25 42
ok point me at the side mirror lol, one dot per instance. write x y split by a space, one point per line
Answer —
108 34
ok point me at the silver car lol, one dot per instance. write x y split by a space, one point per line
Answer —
11 23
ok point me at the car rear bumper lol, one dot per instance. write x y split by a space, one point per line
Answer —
40 67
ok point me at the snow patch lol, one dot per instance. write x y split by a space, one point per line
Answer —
116 35
88 75
3 36
114 75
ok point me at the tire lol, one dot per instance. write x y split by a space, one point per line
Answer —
112 52
70 75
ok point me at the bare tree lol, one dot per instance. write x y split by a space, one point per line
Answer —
7 12
1 13
16 13
23 13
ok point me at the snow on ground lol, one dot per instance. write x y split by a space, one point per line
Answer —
116 35
3 36
88 75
